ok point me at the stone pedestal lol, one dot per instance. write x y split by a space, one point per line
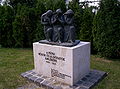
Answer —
65 64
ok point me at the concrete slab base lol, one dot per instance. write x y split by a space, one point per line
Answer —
86 82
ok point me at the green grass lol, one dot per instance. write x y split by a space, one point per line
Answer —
13 62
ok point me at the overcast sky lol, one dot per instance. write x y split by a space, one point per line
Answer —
91 4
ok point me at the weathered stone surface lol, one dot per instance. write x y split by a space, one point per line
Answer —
66 64
50 86
24 74
57 87
33 73
45 83
39 80
29 71
33 78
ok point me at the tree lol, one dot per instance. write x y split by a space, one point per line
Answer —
75 1
86 25
24 26
106 30
55 4
78 13
6 18
14 3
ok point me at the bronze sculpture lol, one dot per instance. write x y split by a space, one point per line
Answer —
69 29
59 28
46 20
57 21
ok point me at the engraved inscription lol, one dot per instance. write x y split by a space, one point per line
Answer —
56 73
51 57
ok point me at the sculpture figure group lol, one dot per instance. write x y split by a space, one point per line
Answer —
59 27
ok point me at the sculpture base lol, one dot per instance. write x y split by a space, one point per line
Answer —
65 64
60 44
87 82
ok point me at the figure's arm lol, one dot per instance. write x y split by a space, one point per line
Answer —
61 19
53 19
70 20
44 19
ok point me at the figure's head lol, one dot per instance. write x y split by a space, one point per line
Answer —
49 12
69 13
59 11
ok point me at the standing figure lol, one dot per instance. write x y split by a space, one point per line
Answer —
57 21
46 20
69 34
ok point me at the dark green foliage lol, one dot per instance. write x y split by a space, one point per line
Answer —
55 4
86 25
24 26
27 27
83 21
39 33
20 23
106 30
14 3
78 12
6 18
39 10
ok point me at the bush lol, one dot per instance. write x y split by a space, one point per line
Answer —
86 25
24 26
27 27
6 18
83 22
55 4
78 13
106 30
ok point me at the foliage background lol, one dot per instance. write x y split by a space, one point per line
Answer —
20 24
106 29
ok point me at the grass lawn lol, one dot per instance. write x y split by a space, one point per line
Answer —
15 61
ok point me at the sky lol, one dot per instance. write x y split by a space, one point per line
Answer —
91 4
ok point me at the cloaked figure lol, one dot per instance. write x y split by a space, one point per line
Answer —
46 20
57 21
69 29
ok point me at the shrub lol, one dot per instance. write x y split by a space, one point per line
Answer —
86 25
106 30
27 27
6 18
24 26
55 4
78 12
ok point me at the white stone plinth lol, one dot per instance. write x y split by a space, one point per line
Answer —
66 64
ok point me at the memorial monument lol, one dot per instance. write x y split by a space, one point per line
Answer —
59 28
60 61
